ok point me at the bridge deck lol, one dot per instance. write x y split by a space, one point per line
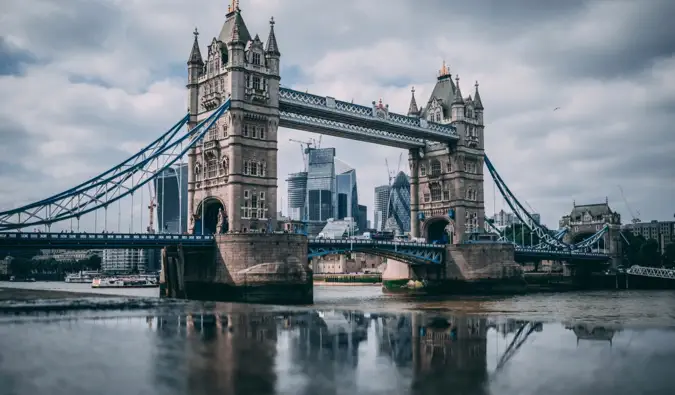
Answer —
17 240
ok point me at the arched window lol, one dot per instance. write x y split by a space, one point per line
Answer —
211 165
436 194
435 167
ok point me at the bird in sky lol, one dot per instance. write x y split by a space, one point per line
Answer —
557 108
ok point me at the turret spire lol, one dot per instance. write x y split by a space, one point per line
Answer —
195 55
412 109
478 104
458 93
272 48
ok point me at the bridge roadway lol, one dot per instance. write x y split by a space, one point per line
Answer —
412 252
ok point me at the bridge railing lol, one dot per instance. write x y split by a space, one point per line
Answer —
102 236
367 242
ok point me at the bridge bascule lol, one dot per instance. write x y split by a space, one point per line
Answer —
229 141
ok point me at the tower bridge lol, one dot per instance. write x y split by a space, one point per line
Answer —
229 140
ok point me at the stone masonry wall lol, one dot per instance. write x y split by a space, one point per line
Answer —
472 262
260 259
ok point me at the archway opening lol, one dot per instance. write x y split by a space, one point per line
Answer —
579 237
208 218
436 231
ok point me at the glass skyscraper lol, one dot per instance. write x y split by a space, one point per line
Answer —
297 196
171 199
380 214
398 208
347 194
320 188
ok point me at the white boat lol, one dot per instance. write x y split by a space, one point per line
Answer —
81 277
124 282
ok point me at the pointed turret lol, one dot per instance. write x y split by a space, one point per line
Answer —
272 48
478 104
195 55
234 29
412 109
458 93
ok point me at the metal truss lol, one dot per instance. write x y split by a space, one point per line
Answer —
491 228
411 252
301 121
329 108
120 181
10 240
651 272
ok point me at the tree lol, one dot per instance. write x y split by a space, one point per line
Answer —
669 255
649 254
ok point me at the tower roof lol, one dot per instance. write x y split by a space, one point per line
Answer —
476 99
458 93
272 47
412 109
234 29
195 54
444 90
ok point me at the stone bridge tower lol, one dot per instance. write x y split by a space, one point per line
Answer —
587 219
232 183
446 185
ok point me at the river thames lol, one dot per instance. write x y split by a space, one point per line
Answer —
352 340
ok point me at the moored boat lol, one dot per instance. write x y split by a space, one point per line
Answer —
124 282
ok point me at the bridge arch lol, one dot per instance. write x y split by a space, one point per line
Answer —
206 217
435 229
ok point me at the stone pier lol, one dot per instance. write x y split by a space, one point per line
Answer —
244 267
468 269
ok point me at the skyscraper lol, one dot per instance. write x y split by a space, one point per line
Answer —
346 191
171 194
297 196
398 207
320 188
380 207
362 219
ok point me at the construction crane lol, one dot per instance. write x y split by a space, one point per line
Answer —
636 218
151 211
392 175
304 149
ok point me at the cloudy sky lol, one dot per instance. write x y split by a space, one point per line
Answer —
86 82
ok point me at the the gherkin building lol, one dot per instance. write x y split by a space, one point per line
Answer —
399 206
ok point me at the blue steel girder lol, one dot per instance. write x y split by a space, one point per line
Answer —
19 240
295 119
328 108
414 253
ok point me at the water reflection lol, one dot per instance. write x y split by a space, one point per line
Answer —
234 350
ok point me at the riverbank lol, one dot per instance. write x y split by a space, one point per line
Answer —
21 294
347 284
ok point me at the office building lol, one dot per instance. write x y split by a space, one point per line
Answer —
398 207
124 261
297 195
661 231
380 207
362 219
346 191
171 199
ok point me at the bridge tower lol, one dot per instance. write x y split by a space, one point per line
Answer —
232 183
446 185
587 219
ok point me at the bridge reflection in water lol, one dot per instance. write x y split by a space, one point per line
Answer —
238 351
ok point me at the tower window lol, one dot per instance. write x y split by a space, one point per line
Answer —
448 166
225 130
446 195
423 170
262 195
435 167
254 132
246 194
435 190
211 166
256 59
254 168
246 168
427 198
245 131
261 132
257 83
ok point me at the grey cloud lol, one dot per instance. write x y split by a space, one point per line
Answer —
13 59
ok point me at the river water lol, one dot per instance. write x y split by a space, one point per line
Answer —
353 340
